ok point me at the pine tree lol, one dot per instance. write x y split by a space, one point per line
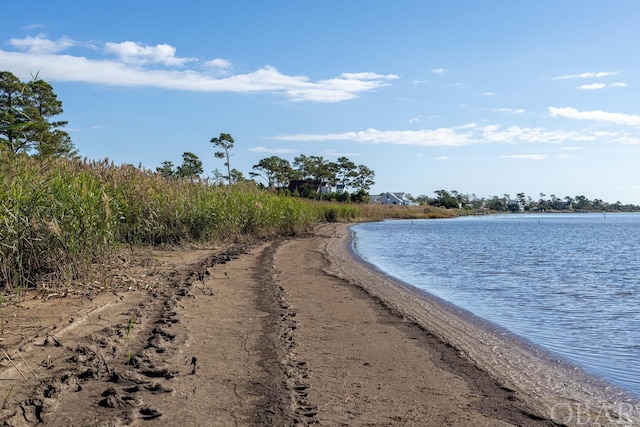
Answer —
27 125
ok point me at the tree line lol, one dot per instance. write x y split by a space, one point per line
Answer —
343 179
521 202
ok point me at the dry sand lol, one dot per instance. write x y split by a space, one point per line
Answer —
291 332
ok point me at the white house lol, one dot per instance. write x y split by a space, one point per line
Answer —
402 199
328 188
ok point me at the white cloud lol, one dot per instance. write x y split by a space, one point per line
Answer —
510 110
626 140
468 134
219 63
368 76
571 148
489 94
587 75
414 119
41 44
525 156
515 134
596 115
601 85
592 86
135 53
336 154
130 71
442 158
439 71
443 137
273 150
33 26
466 126
90 128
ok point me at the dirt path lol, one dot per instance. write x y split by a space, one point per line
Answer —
242 336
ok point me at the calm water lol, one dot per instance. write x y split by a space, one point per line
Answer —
567 282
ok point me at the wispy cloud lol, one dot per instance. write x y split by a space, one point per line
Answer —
442 158
33 26
593 86
626 140
510 110
336 154
439 71
137 65
219 65
587 75
462 135
428 138
515 134
414 119
489 94
273 150
91 128
40 44
596 115
525 156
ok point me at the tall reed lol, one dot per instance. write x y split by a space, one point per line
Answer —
60 216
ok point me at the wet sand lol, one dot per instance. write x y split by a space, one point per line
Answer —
292 332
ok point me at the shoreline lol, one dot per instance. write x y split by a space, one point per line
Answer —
295 331
564 390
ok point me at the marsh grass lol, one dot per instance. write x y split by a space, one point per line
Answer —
380 212
60 217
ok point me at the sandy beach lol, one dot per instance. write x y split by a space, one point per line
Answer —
289 332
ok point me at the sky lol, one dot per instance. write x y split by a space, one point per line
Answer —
482 97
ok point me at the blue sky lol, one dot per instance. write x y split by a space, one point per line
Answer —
484 97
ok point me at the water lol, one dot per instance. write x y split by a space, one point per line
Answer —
567 282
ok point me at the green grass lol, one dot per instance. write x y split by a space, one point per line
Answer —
59 217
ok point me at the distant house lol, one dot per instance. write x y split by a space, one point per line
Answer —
322 187
327 188
402 199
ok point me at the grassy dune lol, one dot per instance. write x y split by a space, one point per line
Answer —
60 217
